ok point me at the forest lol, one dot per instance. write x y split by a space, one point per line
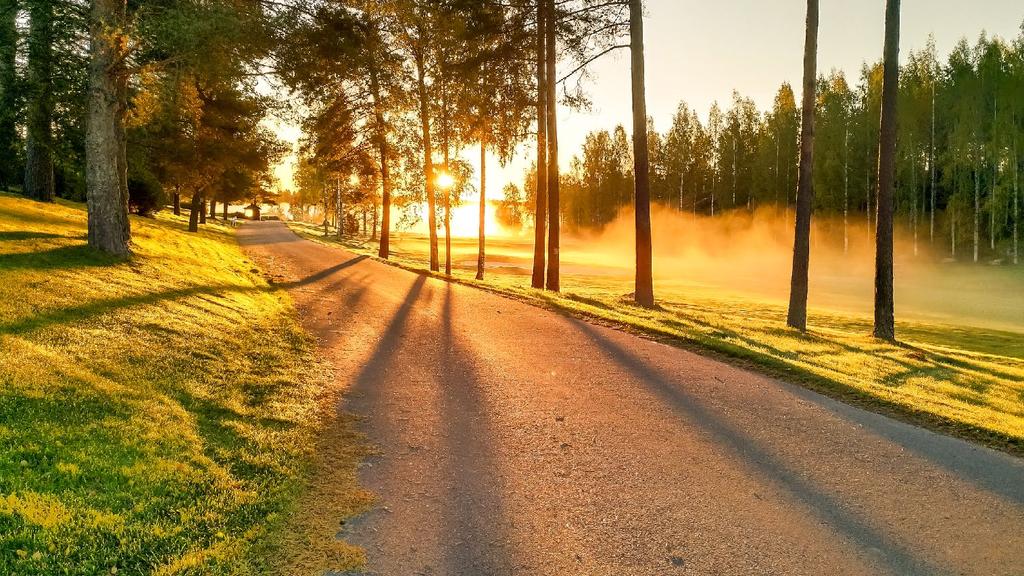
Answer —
958 161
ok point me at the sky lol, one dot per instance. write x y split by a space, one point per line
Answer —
699 51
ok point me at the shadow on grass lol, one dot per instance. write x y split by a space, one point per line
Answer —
62 258
13 235
92 309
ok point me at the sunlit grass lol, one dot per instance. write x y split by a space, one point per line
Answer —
158 414
968 381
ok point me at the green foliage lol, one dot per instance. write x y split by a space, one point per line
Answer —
961 125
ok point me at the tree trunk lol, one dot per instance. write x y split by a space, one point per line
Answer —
428 158
554 218
540 214
385 174
39 178
483 208
9 141
885 327
797 317
176 202
194 212
213 208
225 204
447 203
202 209
644 288
977 214
106 175
931 166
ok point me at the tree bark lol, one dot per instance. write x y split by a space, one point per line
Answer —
213 208
194 210
554 218
797 317
39 178
540 213
106 174
225 204
176 202
644 289
885 327
9 141
202 209
428 158
483 208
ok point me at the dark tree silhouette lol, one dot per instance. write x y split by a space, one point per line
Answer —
805 186
554 224
540 214
884 307
644 292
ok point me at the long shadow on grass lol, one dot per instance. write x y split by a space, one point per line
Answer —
99 307
14 235
758 457
62 258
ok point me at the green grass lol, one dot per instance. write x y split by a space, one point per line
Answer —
963 380
158 415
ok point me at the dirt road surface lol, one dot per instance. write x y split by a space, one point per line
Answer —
515 440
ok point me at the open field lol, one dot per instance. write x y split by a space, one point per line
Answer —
959 367
157 414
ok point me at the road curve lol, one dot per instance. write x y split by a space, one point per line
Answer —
515 440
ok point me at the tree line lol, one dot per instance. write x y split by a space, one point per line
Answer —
958 157
129 105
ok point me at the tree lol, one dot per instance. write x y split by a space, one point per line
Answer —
644 291
553 281
797 317
106 163
39 177
884 299
9 141
540 219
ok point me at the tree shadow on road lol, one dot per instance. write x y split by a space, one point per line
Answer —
762 459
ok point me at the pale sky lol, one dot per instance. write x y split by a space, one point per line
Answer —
701 50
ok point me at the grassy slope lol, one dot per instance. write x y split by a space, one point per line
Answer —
157 415
965 381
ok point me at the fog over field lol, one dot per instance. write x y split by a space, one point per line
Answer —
743 255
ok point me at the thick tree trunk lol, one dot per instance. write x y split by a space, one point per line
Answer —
176 202
428 158
885 327
644 289
225 204
483 209
106 175
540 214
195 209
554 216
9 141
797 317
213 208
202 209
39 178
384 250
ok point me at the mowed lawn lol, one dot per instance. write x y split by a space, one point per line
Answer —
965 381
158 415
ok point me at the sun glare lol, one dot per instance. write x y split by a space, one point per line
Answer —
445 181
